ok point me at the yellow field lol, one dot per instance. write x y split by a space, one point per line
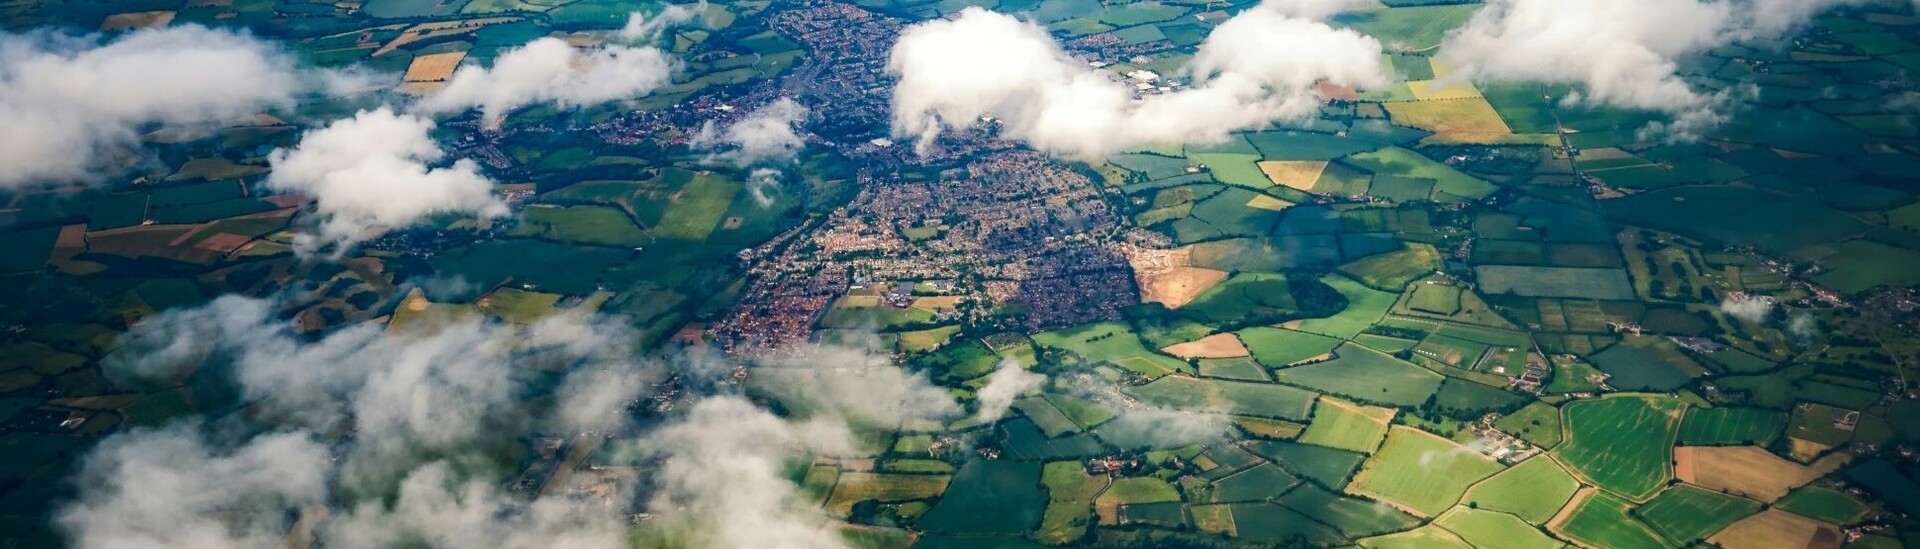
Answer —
1470 120
1776 528
856 487
434 67
1426 90
1454 118
1748 471
1296 174
1214 519
937 303
136 20
1269 203
1376 413
519 306
1222 345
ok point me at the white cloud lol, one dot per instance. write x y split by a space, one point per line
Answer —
764 136
375 171
857 386
1257 68
722 471
1007 383
426 412
1803 327
1167 427
1625 52
723 464
441 507
69 103
1753 310
548 70
172 488
760 183
641 28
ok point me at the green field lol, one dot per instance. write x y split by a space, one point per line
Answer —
1411 28
1554 282
1826 504
1258 483
1735 426
1365 306
1325 466
1111 342
697 209
1622 443
1435 299
1425 537
1344 427
1214 395
1421 471
1686 513
1405 163
1268 523
989 496
1277 348
1533 490
1602 520
1049 419
1484 528
1352 516
1261 298
1394 270
1237 369
1366 376
593 225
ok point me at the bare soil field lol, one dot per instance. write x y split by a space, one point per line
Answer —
1167 277
1749 471
1778 529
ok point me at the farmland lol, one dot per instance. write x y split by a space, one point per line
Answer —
1686 513
1421 472
1365 375
1346 426
1255 399
1736 426
1533 490
1272 300
1602 520
1623 444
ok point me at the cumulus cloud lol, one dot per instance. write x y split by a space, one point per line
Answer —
1257 68
641 28
71 102
1803 327
1167 427
1624 52
548 70
172 488
722 468
723 463
1008 383
761 184
1751 309
863 388
423 413
767 135
441 507
377 170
